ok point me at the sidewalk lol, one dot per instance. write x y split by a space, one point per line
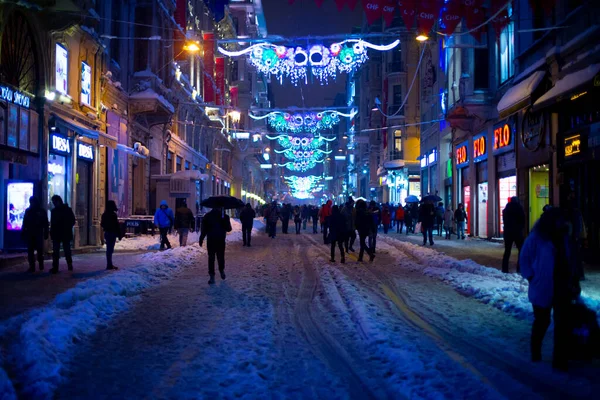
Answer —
11 259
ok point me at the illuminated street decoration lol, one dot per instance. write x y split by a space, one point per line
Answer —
302 165
301 187
321 61
298 142
312 122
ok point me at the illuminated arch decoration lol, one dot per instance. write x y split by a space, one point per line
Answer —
320 61
301 187
312 122
300 142
301 165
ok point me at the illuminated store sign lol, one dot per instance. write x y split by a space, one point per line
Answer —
86 84
60 144
85 151
461 155
572 145
503 138
432 157
13 96
479 148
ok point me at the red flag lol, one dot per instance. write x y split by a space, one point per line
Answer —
220 80
319 2
408 10
429 12
291 1
352 4
474 16
500 22
209 66
547 6
372 10
389 7
340 4
451 16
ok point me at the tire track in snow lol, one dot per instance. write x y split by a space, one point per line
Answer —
324 346
511 366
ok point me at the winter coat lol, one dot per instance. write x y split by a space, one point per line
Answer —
460 215
247 217
439 213
35 224
305 212
297 216
110 223
164 218
375 213
537 260
513 217
400 214
215 226
427 215
184 218
349 213
448 217
364 222
337 227
62 221
314 213
285 213
273 214
386 216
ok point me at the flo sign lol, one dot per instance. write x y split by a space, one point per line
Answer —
13 96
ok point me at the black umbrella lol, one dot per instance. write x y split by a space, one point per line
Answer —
433 198
222 202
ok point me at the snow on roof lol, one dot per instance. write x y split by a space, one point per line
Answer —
150 94
520 93
579 38
533 67
567 84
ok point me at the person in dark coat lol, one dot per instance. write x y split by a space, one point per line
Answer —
349 213
272 216
364 225
247 219
375 213
314 214
215 226
305 214
460 217
62 221
286 213
35 232
112 231
439 217
513 217
184 222
546 262
337 233
408 218
297 219
427 220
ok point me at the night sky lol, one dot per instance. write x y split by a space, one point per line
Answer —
304 18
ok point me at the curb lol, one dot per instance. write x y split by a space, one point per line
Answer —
19 258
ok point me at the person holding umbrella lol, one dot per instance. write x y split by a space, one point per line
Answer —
215 226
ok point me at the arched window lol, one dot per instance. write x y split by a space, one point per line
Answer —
18 60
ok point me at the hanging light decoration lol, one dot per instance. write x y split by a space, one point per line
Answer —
301 187
312 122
301 165
300 142
322 62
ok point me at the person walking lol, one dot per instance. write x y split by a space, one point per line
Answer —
112 231
62 221
375 213
215 226
285 218
439 217
364 225
326 215
305 214
337 233
399 219
297 215
408 218
427 219
460 217
386 218
513 217
184 222
247 219
34 232
314 214
272 216
448 221
164 219
349 213
547 264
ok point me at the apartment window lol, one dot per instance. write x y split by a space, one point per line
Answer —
170 162
179 162
506 50
187 165
397 95
398 141
481 69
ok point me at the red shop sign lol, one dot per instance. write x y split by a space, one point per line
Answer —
503 135
461 155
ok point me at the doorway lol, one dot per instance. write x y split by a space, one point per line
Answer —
83 202
482 209
539 191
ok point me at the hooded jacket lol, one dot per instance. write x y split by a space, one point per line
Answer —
62 221
164 218
35 223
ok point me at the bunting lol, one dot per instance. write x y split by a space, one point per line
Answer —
352 4
389 8
429 13
340 4
474 16
319 3
372 10
451 16
408 11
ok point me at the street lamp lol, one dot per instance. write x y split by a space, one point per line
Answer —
422 37
235 116
191 47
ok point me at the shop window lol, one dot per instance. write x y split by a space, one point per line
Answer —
507 188
24 129
506 50
12 126
539 192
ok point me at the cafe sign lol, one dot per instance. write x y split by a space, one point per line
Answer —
14 96
572 145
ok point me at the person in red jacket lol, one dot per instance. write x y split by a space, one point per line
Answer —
386 218
326 217
399 218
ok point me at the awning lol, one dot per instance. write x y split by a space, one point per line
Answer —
570 85
519 96
190 174
394 164
82 130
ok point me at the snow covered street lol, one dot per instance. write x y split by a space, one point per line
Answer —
286 323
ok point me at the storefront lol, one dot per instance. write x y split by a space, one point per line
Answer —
481 165
59 169
84 185
503 149
463 184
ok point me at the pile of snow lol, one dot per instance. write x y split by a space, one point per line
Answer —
40 342
507 292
